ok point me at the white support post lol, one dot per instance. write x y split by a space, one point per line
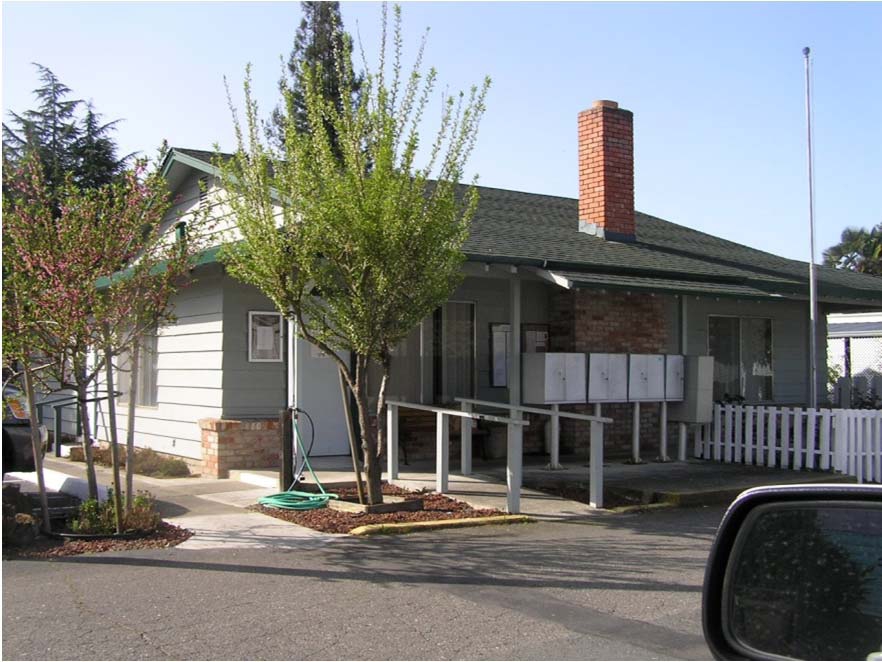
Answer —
635 434
442 452
877 445
785 438
727 449
663 434
392 442
811 424
515 440
826 422
748 434
514 469
465 460
798 447
771 437
595 485
718 432
760 436
681 443
739 434
555 438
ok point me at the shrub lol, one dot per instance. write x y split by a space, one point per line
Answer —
147 461
100 518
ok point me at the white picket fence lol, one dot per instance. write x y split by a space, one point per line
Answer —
847 441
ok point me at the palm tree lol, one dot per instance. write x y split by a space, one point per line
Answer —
858 250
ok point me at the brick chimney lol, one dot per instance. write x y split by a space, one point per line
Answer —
606 171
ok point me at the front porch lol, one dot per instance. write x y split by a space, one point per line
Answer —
690 483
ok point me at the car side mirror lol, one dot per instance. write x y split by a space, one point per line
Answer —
795 572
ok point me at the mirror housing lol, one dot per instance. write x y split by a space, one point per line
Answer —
796 572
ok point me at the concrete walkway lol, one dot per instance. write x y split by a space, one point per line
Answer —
215 510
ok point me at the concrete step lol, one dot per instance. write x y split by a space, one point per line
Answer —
266 478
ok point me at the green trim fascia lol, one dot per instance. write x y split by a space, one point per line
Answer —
208 256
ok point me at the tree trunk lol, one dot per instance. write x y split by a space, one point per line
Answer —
37 447
130 427
353 448
82 396
372 468
114 437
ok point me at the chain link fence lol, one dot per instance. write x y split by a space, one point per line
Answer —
854 368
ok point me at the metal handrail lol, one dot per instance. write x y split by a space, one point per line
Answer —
459 412
536 410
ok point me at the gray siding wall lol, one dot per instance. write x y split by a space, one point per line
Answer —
190 363
250 390
790 340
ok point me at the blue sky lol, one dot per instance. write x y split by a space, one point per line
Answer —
716 90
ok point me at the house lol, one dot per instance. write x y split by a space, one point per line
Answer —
544 273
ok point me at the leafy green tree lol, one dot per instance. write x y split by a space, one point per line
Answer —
318 43
858 250
356 255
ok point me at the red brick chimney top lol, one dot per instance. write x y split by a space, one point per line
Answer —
606 171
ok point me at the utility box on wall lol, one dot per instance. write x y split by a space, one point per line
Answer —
646 377
674 377
698 395
607 378
553 378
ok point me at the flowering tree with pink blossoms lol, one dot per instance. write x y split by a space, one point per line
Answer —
88 280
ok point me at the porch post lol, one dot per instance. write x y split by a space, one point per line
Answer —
663 441
681 443
515 450
442 452
465 462
555 438
392 442
595 483
635 434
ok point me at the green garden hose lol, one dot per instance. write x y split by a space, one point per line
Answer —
293 499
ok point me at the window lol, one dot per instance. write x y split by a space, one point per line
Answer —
742 351
147 393
264 336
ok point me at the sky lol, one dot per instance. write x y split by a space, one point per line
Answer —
717 91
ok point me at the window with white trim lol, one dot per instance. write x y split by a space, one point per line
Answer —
264 336
147 392
742 351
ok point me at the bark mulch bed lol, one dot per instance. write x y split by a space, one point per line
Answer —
326 520
167 535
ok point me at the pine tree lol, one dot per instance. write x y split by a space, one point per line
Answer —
96 162
62 141
318 43
50 131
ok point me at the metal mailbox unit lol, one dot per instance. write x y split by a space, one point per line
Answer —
554 378
607 378
675 366
646 377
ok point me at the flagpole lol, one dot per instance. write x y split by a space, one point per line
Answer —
813 294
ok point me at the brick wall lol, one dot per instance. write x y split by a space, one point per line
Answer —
246 444
606 168
614 322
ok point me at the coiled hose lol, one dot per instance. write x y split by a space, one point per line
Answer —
296 500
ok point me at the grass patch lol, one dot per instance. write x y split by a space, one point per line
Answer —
147 461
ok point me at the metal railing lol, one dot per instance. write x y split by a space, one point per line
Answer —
442 445
595 489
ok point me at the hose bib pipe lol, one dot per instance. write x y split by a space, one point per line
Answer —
294 499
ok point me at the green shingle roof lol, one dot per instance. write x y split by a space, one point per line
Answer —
542 230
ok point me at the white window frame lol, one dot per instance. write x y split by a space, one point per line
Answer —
742 375
280 340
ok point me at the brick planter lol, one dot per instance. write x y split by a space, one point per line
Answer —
231 444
